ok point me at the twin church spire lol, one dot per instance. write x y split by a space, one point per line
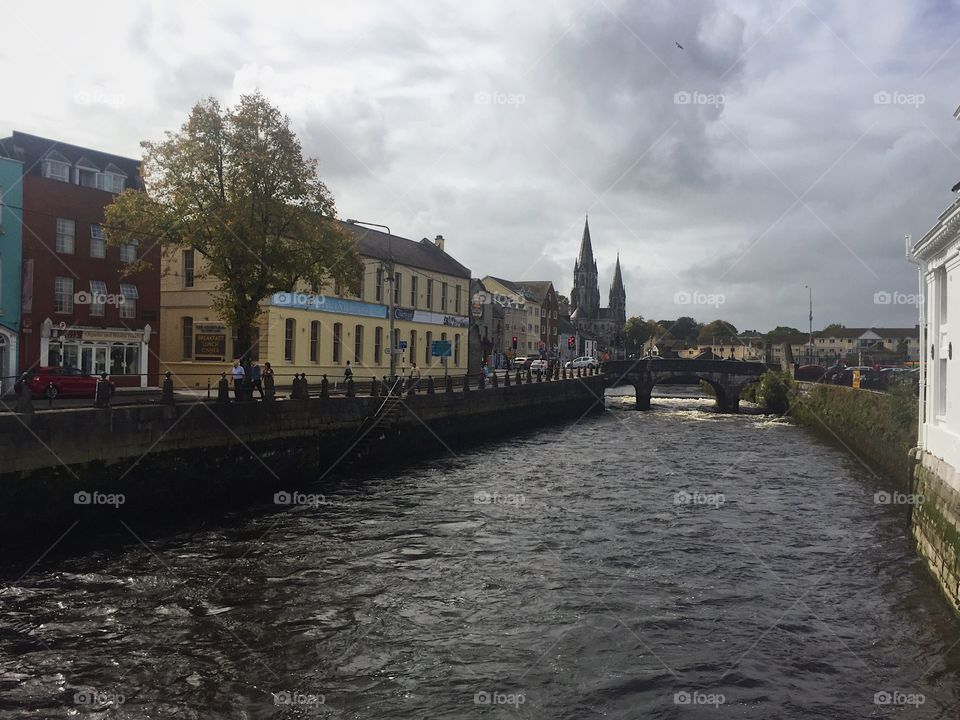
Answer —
585 297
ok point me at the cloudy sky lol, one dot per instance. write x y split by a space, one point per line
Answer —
789 143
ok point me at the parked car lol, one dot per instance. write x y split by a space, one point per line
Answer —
584 361
520 362
538 365
53 382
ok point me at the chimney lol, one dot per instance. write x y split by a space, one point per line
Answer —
438 241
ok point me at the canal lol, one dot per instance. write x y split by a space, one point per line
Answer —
676 563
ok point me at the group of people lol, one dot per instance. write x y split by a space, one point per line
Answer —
255 382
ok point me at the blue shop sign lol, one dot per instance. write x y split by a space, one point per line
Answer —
325 303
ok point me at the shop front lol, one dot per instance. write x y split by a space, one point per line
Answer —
122 354
8 359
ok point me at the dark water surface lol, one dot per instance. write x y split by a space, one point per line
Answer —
669 564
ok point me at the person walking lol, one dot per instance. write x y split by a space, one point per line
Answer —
255 379
238 373
347 372
414 377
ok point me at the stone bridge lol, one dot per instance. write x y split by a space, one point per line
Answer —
726 377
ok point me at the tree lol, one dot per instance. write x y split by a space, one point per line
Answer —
684 329
780 333
718 330
832 327
234 186
637 331
562 299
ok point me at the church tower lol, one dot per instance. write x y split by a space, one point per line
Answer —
586 290
618 297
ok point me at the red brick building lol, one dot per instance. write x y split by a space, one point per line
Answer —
79 309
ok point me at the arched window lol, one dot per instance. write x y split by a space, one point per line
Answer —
289 338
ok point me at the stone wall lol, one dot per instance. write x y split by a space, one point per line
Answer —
935 522
173 462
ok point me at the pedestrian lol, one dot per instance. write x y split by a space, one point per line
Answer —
414 377
255 378
269 381
347 372
238 373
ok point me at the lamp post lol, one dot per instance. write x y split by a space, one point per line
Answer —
388 266
810 338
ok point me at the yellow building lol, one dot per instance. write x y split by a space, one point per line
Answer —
318 333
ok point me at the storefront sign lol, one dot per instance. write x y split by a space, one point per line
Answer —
325 303
112 336
430 318
209 346
440 348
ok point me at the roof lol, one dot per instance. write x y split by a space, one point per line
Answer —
880 332
534 290
31 149
565 327
424 254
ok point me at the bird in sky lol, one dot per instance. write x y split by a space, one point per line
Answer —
678 44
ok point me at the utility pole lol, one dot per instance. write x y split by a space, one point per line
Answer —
810 338
387 267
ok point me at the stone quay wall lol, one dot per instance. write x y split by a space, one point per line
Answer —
168 462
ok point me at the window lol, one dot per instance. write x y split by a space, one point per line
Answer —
457 300
188 272
289 335
378 345
456 349
124 360
98 243
429 294
443 297
56 170
413 293
98 296
337 335
314 341
412 350
111 181
379 291
63 295
128 308
429 342
186 337
396 288
128 253
65 235
358 344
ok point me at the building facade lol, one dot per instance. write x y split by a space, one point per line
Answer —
860 346
317 333
11 204
606 324
80 304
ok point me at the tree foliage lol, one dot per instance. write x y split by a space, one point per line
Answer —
233 185
719 330
684 329
780 333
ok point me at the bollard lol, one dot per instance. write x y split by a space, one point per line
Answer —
304 387
24 399
556 371
324 387
208 388
564 373
529 377
430 389
539 375
494 380
481 382
466 383
519 379
166 395
374 387
506 379
578 372
102 393
449 383
351 391
223 389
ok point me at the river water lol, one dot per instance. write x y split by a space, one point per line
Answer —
676 563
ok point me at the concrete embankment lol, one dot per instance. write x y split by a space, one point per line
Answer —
159 463
881 429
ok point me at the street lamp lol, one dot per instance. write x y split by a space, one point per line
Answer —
810 338
388 266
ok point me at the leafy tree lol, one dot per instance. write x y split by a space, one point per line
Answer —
780 333
234 186
775 391
637 331
832 327
562 299
685 329
719 330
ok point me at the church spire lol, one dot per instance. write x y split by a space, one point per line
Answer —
585 260
617 277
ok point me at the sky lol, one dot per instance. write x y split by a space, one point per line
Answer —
787 144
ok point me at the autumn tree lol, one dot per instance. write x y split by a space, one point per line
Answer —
233 185
717 331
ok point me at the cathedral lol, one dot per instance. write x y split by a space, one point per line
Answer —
603 323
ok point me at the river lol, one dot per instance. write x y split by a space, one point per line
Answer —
675 563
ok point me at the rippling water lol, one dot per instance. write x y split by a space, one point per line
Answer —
676 563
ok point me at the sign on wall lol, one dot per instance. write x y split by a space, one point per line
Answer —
440 348
210 346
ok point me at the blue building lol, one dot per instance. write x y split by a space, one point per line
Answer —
11 249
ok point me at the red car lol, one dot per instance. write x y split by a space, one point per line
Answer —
52 382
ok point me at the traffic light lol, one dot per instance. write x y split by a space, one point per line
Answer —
571 342
514 342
